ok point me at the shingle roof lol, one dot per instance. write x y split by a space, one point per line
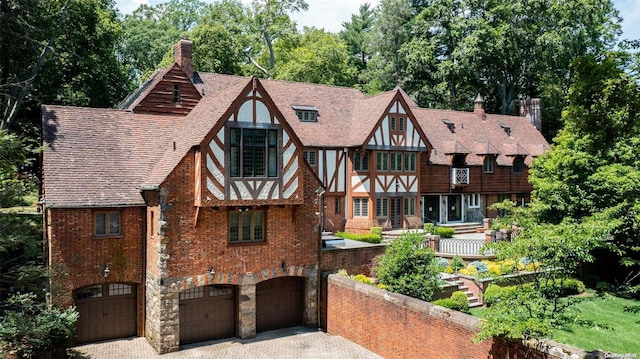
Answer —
102 157
478 137
99 157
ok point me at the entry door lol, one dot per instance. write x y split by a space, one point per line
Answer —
454 208
431 209
396 212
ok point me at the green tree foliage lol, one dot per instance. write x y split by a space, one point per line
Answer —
221 38
408 267
29 326
357 33
151 31
315 56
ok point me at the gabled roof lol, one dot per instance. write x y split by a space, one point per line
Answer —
479 137
98 157
131 101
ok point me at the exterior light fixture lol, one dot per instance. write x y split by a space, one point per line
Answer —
284 266
212 270
106 271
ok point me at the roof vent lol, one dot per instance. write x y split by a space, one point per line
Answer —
450 125
506 129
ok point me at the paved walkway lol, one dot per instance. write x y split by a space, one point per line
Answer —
297 342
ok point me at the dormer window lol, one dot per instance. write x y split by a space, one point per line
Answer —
506 129
306 113
176 93
450 125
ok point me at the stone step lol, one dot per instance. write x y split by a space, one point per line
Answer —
469 294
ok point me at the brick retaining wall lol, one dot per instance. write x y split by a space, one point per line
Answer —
396 326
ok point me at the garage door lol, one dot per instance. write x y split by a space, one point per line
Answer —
106 311
207 313
279 303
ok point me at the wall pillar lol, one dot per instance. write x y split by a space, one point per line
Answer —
247 308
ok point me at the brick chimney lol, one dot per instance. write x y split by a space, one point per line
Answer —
531 109
478 107
182 52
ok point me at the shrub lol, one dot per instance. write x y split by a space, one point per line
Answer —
376 230
448 270
442 262
563 287
458 301
429 228
444 232
362 279
366 237
494 268
491 294
457 263
480 266
470 271
407 267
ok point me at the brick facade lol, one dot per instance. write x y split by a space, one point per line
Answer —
396 326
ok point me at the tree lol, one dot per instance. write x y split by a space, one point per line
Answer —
390 31
356 34
269 21
151 31
537 308
408 267
315 56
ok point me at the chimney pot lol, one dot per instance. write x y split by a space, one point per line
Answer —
478 107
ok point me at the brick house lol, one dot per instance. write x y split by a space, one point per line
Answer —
194 211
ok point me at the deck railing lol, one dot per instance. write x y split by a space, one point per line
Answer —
462 246
459 176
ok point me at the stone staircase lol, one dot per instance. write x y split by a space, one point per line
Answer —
471 298
468 227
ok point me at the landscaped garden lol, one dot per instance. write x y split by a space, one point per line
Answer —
614 326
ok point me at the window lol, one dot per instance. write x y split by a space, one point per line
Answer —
176 93
518 164
382 207
396 161
474 200
119 289
254 152
306 113
382 161
487 164
361 207
94 291
409 206
336 206
392 121
410 162
246 226
361 161
107 224
193 293
400 123
310 157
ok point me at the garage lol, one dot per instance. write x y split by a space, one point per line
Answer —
207 313
279 303
106 311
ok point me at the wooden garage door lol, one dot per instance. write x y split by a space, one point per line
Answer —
207 313
106 311
279 303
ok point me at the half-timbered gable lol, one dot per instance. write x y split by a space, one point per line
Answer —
251 154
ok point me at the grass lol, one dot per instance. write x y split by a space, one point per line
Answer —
616 331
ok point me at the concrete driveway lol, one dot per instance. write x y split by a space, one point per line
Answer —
296 342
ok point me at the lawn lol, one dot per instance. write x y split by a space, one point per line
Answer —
622 335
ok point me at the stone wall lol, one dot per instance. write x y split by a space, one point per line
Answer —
396 326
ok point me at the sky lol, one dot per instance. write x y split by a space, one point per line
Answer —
330 14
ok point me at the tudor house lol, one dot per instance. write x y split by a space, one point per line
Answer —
194 211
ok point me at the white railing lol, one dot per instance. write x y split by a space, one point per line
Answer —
459 176
468 246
